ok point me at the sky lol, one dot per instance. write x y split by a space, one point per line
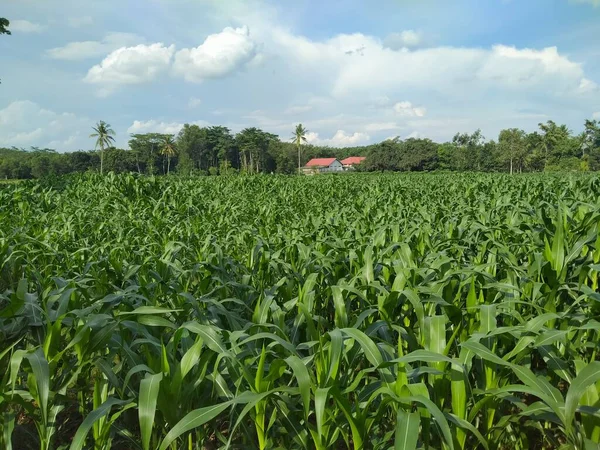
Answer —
352 72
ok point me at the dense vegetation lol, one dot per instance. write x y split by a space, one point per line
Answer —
362 311
215 150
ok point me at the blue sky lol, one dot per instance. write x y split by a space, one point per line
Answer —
353 72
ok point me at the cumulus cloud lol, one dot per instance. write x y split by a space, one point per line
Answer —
24 26
449 70
402 40
339 139
74 51
522 68
220 55
24 123
587 86
131 65
406 109
596 115
155 126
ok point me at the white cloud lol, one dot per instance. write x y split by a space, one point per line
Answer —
194 102
452 71
25 124
78 22
298 109
339 139
381 126
220 55
596 115
74 51
357 77
24 26
403 40
380 101
155 126
406 109
587 86
522 68
131 65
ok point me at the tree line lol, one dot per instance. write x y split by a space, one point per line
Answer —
216 150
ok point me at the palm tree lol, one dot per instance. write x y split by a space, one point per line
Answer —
168 149
104 134
298 137
4 23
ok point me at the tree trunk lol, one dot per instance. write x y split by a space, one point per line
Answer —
511 165
299 167
168 164
101 160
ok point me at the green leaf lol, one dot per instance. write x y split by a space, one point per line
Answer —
147 310
586 377
369 347
320 402
85 427
341 316
209 335
484 353
40 369
8 426
303 379
368 265
192 420
335 353
148 397
407 430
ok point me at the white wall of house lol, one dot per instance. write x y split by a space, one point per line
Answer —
335 166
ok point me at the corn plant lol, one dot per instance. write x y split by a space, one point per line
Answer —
415 311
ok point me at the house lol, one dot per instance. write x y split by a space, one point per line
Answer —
352 161
321 165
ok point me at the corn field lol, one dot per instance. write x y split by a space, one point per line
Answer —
430 311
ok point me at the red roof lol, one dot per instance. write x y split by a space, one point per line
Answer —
320 162
352 160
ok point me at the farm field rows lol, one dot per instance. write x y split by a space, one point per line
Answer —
453 311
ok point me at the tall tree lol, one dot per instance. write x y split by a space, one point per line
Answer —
553 141
512 146
469 150
253 144
191 145
104 139
298 138
168 150
4 23
146 148
221 147
591 136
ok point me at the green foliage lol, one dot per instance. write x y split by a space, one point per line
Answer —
415 311
415 155
299 139
4 24
104 135
198 150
